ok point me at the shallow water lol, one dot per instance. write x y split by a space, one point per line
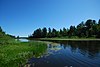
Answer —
22 40
69 54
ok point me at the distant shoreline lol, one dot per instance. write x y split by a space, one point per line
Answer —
65 39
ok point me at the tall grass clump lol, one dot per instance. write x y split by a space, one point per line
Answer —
16 54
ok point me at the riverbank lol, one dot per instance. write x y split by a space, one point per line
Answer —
16 53
67 39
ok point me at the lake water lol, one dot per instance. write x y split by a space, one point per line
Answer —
69 54
22 40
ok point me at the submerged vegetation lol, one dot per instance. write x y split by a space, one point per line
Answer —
88 29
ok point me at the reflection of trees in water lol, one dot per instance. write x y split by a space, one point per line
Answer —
90 49
54 46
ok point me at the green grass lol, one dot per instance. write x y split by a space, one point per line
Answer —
14 54
75 37
71 39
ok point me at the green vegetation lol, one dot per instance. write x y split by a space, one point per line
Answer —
88 29
14 53
4 35
18 53
68 39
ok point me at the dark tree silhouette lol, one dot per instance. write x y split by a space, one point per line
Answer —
89 23
0 29
37 33
64 33
99 22
90 28
81 30
49 33
71 31
44 32
54 33
61 33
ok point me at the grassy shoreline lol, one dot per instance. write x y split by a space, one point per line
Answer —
16 54
67 39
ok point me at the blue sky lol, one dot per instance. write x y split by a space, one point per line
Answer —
22 17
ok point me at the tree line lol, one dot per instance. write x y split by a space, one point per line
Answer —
87 29
4 35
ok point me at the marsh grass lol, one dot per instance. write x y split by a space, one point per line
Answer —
16 54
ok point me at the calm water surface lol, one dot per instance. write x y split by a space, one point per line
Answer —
69 54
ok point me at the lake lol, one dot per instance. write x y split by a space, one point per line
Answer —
69 54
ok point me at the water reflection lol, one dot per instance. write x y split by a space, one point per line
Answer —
22 40
69 53
90 49
54 47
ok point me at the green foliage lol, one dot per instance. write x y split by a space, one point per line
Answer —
72 30
54 33
49 33
0 29
37 33
44 32
15 54
87 29
4 35
99 22
64 32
